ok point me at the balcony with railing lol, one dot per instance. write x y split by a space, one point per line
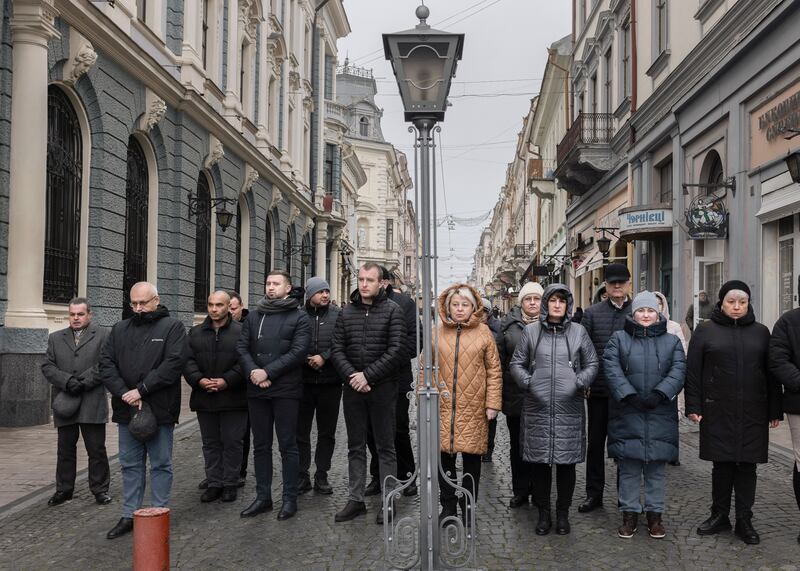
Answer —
336 113
584 154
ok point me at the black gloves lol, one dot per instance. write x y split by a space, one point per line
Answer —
645 404
637 402
74 386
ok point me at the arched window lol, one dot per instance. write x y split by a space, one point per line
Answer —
287 251
136 206
363 127
63 202
268 248
716 175
202 245
238 281
304 267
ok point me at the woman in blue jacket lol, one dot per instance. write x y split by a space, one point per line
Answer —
645 367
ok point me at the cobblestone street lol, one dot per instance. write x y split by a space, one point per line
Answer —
212 536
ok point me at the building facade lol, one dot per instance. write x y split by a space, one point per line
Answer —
170 141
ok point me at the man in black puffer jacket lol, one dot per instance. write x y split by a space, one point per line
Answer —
784 364
142 360
601 320
272 349
218 397
369 347
322 389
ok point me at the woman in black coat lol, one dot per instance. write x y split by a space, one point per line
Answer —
731 394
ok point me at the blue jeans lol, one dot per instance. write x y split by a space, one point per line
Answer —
133 461
630 477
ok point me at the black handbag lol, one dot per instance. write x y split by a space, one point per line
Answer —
66 405
143 425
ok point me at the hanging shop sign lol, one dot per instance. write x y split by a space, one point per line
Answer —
707 218
643 222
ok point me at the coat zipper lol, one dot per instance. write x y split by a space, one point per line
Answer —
553 397
316 341
364 341
739 385
647 414
455 392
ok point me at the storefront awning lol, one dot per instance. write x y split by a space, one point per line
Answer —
589 260
780 197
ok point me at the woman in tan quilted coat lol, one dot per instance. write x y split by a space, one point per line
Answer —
470 382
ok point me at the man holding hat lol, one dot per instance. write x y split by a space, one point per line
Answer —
601 320
322 390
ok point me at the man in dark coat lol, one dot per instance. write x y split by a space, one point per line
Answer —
402 436
513 324
369 349
218 396
142 362
706 307
71 367
322 390
784 365
495 326
601 320
239 313
272 349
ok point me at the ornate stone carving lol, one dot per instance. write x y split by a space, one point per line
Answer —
294 80
216 152
155 112
250 178
294 212
309 225
83 60
276 198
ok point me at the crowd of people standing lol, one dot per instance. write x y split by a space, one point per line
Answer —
570 392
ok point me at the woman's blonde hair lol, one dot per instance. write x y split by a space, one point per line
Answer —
465 293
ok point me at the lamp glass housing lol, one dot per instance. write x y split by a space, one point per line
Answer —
604 244
224 219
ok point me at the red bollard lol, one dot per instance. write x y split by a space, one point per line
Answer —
151 539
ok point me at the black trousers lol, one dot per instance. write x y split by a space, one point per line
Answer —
94 439
222 433
245 448
543 481
402 443
596 446
796 485
492 435
738 478
471 464
322 400
521 471
281 414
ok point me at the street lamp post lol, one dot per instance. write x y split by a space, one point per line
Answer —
424 62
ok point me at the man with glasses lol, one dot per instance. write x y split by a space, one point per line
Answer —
142 362
601 320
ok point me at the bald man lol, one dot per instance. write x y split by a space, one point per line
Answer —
218 397
142 361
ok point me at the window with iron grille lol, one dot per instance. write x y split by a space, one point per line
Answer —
267 248
136 208
287 252
63 201
238 281
202 245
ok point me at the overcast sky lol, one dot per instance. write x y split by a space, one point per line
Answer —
503 61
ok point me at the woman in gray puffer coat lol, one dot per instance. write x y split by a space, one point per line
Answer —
554 364
645 367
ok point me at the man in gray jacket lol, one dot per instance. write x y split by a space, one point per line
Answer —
71 367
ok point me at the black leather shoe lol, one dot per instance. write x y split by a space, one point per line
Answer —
351 511
229 494
591 503
303 484
744 530
257 507
562 522
321 485
675 463
203 485
715 524
211 495
373 489
379 517
124 525
102 498
545 522
59 498
518 502
411 491
288 509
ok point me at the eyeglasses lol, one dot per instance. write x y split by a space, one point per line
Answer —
135 304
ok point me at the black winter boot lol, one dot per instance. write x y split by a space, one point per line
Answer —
449 509
744 530
796 483
562 522
545 521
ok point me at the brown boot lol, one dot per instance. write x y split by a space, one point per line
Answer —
654 525
628 527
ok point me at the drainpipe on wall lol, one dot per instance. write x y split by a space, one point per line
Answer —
634 67
634 89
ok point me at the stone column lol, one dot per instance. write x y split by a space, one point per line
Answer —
321 250
232 104
264 66
335 277
24 394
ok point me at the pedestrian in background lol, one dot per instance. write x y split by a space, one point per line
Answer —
272 349
71 366
645 368
601 321
554 365
470 382
494 324
218 396
784 365
706 308
322 390
239 313
520 316
369 349
734 397
142 361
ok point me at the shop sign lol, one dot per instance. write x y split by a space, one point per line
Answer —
707 218
782 116
651 219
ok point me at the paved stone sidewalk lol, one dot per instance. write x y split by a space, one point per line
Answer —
213 536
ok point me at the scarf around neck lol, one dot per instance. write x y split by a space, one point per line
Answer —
270 306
